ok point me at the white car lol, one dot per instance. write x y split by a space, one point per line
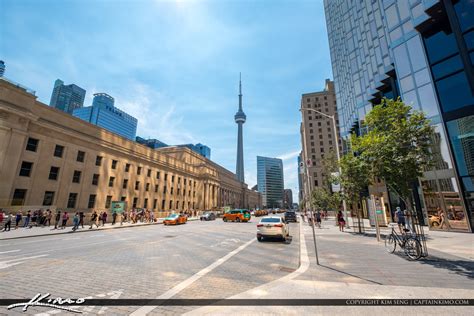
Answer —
272 226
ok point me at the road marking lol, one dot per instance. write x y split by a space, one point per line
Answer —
16 250
264 288
184 284
9 263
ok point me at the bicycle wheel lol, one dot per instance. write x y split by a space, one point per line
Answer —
413 248
390 243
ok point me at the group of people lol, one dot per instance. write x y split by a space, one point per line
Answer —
318 216
30 219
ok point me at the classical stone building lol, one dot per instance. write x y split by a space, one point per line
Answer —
50 159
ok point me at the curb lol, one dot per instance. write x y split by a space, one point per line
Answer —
88 230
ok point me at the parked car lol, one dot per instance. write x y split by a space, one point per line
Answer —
237 216
272 226
208 216
175 219
290 216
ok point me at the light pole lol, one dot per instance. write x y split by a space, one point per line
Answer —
336 138
308 190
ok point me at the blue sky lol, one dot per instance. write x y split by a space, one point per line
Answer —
175 66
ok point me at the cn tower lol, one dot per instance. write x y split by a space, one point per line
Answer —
240 118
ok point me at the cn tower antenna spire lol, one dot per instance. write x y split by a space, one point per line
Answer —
240 119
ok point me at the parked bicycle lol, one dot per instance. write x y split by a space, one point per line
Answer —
407 241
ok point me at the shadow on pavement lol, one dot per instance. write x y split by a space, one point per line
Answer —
461 267
352 275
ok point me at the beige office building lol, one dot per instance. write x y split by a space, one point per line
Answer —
317 134
50 159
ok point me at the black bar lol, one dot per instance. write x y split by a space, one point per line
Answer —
262 302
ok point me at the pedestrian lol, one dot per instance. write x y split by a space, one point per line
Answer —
400 217
65 219
408 219
104 218
152 217
443 219
75 221
8 222
18 218
1 216
94 219
27 219
34 218
318 219
340 220
57 219
114 217
49 215
123 217
81 219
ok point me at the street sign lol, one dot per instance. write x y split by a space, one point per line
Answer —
117 206
379 211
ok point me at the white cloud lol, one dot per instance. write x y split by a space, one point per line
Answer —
290 155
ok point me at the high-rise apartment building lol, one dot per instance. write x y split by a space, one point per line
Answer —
67 98
287 198
2 68
103 113
422 52
317 133
270 181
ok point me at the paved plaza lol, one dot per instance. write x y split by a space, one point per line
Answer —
216 260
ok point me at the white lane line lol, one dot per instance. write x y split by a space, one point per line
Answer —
16 250
9 263
264 288
181 286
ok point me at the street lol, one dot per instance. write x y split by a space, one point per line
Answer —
154 261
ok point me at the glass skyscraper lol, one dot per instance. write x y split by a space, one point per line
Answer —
423 52
270 181
67 98
103 113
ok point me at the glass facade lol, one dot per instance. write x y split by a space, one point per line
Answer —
110 118
421 51
67 98
270 181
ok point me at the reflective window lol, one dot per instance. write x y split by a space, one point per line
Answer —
462 141
407 83
454 92
444 39
469 38
465 12
411 99
403 8
447 67
396 34
428 100
392 16
422 77
417 55
401 60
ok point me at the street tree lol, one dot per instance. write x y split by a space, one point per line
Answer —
396 146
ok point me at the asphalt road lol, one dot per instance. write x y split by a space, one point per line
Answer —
196 260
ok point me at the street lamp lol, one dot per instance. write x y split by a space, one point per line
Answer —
336 138
308 191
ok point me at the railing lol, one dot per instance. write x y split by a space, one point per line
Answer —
16 84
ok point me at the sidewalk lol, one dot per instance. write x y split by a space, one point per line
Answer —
48 231
357 266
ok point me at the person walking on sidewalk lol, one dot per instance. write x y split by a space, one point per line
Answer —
27 219
18 218
104 218
400 216
340 220
49 215
75 221
152 217
114 217
57 219
443 219
81 219
65 219
8 222
94 219
318 219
